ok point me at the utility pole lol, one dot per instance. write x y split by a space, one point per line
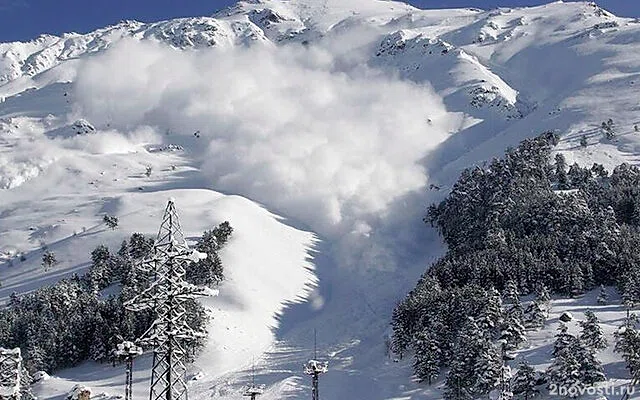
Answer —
127 351
167 295
315 368
253 391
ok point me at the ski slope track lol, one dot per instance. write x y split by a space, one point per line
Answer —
321 130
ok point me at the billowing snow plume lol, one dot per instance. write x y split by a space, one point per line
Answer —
284 126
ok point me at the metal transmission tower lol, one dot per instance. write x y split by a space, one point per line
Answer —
10 373
167 296
127 351
315 368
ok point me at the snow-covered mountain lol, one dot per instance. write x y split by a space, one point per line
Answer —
336 115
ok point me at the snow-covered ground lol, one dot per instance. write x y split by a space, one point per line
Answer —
320 130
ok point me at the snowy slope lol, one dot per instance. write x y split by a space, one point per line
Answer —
337 115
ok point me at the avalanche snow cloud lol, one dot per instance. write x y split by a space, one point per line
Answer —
291 127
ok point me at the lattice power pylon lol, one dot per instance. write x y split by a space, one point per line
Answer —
10 373
167 295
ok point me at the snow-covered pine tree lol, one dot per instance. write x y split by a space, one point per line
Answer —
511 293
460 382
575 364
513 306
140 246
505 393
487 368
427 357
504 387
561 172
100 273
564 371
592 334
573 278
563 340
591 370
476 365
209 271
97 349
457 386
34 357
603 297
493 316
583 141
401 338
542 295
524 382
630 289
628 346
111 221
513 332
48 260
535 315
608 129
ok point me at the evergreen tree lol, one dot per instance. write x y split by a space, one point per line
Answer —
542 295
476 366
591 370
535 315
487 369
457 387
48 260
427 357
492 316
608 129
583 141
139 246
524 382
111 221
511 293
563 340
506 392
513 332
573 278
630 289
603 297
100 272
401 335
561 172
564 371
575 364
592 334
34 357
628 346
506 222
461 381
209 271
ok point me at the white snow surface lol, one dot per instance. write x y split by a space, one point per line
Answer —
316 129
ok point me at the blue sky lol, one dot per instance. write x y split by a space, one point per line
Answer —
26 19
